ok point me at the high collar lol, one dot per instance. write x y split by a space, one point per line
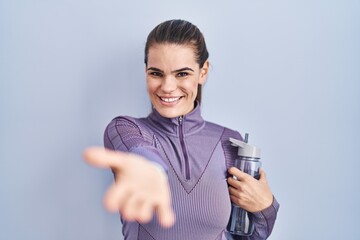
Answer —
190 123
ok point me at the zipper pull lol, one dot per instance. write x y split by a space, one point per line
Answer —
181 119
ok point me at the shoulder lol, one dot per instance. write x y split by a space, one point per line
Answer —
120 122
226 132
124 133
123 120
127 126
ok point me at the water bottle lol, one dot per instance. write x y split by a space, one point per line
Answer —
248 161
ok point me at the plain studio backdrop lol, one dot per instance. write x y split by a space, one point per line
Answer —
287 72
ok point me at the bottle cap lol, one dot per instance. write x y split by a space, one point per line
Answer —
245 150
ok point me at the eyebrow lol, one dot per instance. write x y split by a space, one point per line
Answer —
175 71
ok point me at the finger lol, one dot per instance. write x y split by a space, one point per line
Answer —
101 157
130 209
262 176
145 212
166 216
240 175
234 183
115 197
234 192
236 201
165 213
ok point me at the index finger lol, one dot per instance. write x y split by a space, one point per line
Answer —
240 175
101 157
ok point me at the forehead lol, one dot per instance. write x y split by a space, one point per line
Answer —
171 56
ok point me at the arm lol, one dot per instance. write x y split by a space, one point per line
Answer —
141 187
264 221
139 190
255 197
264 208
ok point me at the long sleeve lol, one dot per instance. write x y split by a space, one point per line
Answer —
264 220
125 134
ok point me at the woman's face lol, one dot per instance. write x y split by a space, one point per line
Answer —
172 78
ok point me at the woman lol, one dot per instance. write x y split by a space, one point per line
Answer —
173 163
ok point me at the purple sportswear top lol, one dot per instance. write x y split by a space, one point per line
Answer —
196 155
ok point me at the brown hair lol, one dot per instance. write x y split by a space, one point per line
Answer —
183 33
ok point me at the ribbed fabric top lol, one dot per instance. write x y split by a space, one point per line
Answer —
195 154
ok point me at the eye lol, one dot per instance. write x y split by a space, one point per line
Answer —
156 74
182 74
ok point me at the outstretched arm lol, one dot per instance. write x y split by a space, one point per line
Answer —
140 189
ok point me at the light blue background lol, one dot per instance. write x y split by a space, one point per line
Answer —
287 72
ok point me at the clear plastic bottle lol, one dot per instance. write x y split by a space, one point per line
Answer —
248 161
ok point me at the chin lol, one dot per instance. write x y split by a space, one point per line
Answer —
169 114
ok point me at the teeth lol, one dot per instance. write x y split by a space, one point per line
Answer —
169 100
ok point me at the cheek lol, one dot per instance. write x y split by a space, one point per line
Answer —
191 89
150 85
190 86
194 87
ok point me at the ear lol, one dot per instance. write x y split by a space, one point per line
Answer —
204 72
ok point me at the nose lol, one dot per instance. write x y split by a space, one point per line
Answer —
169 84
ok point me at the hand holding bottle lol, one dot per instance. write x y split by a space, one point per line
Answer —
248 188
140 188
249 193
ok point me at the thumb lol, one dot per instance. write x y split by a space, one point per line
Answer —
165 215
101 157
262 176
164 211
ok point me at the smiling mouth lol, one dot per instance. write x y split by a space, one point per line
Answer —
170 100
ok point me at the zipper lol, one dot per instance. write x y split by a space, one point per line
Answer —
182 143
